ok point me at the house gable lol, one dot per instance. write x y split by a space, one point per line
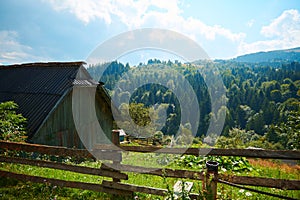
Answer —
43 92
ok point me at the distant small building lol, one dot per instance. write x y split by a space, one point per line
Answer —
122 135
44 92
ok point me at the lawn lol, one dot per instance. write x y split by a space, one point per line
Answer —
12 189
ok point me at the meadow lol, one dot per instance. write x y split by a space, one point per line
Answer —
13 189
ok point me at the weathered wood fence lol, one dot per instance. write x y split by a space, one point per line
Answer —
116 170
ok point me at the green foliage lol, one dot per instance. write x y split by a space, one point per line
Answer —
139 114
143 120
257 94
185 136
158 135
12 125
226 163
287 134
237 138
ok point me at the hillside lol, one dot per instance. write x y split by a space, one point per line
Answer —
260 99
286 55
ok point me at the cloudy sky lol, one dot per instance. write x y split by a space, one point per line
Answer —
68 30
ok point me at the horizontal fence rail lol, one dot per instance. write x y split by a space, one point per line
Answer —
66 167
45 149
63 183
116 170
63 151
163 172
135 188
197 175
249 153
263 182
254 190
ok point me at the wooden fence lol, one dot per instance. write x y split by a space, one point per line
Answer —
116 170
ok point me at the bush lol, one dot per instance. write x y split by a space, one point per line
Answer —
226 163
12 125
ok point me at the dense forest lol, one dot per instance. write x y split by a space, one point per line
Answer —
261 99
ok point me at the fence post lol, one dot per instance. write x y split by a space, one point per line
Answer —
211 180
115 139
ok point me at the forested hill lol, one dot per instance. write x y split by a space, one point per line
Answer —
287 55
262 99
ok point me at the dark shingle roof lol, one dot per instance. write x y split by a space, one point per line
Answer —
37 87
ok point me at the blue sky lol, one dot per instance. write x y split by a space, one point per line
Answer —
68 30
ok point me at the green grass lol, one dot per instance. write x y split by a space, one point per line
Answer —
12 189
21 190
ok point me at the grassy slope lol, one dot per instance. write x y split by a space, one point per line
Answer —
11 189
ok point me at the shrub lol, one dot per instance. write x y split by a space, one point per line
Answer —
12 125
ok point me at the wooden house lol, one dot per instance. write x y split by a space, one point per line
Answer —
45 95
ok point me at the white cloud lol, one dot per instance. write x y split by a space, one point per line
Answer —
86 10
250 23
144 13
11 51
287 23
282 33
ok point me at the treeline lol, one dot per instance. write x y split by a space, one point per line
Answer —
262 98
170 77
259 96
